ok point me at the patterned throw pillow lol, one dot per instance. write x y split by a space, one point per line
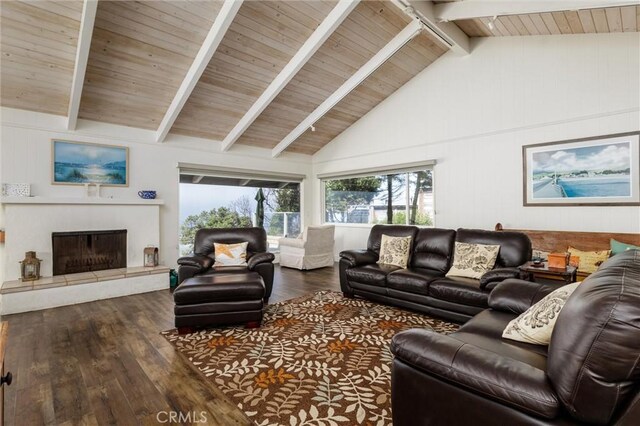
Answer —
590 261
230 254
395 250
473 260
536 324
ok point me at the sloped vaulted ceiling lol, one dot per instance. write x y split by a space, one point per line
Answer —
141 53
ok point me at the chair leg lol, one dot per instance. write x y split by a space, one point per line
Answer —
185 330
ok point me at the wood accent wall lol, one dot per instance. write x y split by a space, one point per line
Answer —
604 20
559 241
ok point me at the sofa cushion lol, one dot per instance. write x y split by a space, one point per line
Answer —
375 274
415 280
433 249
375 236
459 290
515 247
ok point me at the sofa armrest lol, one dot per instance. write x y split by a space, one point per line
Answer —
496 276
197 261
359 257
511 382
258 258
516 296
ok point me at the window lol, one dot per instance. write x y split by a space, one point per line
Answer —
403 197
208 200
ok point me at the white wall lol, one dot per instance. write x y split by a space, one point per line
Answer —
473 114
25 156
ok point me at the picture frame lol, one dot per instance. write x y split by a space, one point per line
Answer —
595 171
81 163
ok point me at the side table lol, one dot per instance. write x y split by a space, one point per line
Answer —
529 272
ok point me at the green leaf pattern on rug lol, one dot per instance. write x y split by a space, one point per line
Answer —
318 360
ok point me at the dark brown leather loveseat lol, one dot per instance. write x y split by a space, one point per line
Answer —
590 373
200 262
423 286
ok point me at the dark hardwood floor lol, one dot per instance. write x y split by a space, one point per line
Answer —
105 362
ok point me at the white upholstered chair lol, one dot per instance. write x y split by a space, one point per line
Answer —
314 249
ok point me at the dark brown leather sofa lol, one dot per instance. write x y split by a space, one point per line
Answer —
200 262
590 373
423 286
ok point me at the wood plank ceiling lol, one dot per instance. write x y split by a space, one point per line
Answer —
367 29
604 20
263 37
141 51
38 43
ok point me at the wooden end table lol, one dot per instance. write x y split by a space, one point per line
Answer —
529 272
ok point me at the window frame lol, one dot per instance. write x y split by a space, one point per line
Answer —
399 169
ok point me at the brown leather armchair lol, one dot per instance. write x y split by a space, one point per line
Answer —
589 374
200 262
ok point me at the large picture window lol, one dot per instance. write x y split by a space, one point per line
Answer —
395 198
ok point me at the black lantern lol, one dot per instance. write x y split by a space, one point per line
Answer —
151 256
30 267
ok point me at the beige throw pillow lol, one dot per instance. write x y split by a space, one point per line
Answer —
230 254
473 260
590 261
395 250
536 324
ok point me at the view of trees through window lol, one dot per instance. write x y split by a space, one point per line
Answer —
402 198
224 206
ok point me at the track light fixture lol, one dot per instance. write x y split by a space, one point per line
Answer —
491 24
313 128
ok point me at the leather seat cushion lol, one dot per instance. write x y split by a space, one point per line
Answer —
224 270
220 288
415 280
491 323
459 290
374 274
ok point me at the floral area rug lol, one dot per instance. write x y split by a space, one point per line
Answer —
321 359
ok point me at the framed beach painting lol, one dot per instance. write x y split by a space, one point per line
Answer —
79 163
595 171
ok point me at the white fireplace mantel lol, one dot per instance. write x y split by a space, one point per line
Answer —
30 221
86 200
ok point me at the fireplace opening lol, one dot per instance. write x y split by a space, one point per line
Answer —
87 251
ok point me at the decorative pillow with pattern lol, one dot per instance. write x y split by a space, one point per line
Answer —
590 261
473 260
536 324
231 254
395 250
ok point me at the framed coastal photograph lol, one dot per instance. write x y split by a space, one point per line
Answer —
78 163
595 171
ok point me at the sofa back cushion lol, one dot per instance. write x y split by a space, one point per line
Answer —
375 236
515 247
595 347
205 239
433 249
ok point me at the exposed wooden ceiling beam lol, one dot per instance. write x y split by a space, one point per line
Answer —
82 56
396 43
449 34
470 9
211 42
313 43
